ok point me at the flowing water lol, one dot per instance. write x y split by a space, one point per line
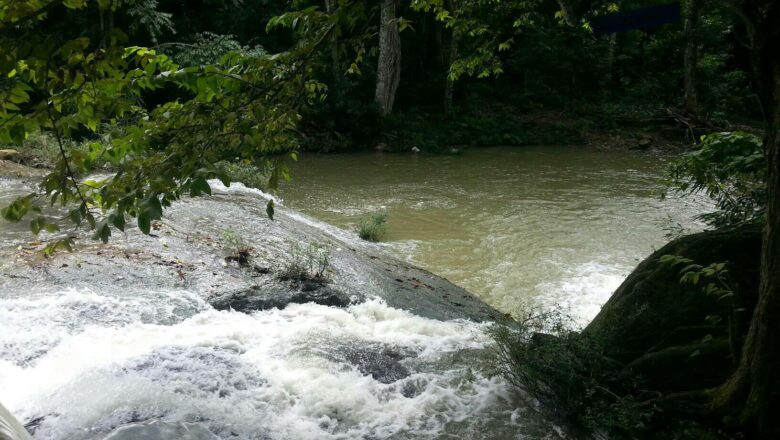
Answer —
542 226
520 227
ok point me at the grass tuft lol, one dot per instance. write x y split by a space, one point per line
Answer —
374 228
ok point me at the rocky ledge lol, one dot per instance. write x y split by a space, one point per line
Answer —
227 250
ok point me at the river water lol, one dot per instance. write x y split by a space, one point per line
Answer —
519 227
523 228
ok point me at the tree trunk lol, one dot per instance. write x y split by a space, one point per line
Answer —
691 13
449 84
330 8
388 73
762 351
756 379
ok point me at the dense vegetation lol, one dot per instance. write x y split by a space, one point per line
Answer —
170 94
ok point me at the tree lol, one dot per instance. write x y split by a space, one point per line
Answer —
754 389
691 17
67 80
757 381
388 71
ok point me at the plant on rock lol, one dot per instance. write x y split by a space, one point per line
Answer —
374 228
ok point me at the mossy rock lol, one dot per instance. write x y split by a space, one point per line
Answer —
658 326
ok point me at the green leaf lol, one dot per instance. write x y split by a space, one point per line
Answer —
153 208
144 223
199 186
269 209
118 220
18 208
102 231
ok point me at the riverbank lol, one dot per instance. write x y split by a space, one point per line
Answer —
498 123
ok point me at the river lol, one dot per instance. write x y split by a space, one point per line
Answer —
523 228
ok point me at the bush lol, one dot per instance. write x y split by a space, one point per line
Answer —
729 168
310 263
42 149
374 228
569 372
238 249
249 174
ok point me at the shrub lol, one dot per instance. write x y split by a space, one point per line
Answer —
41 148
729 168
237 247
310 263
568 371
249 174
372 229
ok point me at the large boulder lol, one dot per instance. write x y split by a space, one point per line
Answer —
658 326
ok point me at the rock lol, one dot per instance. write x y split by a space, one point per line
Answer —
658 326
9 154
383 363
271 296
158 430
186 254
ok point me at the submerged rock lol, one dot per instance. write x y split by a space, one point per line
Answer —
279 295
383 363
158 430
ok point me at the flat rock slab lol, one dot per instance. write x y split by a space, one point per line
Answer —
187 251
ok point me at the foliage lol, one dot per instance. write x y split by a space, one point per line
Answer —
714 281
729 168
207 48
242 106
373 228
41 149
251 175
568 371
309 263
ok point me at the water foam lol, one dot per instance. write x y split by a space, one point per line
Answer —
264 375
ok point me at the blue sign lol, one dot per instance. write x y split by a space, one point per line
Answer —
644 18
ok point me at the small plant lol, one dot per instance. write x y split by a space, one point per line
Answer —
569 371
310 263
374 228
714 281
238 249
248 173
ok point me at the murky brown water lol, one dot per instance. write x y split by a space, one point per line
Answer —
517 226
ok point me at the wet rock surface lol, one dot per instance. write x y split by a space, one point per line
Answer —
270 295
186 251
661 328
383 363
